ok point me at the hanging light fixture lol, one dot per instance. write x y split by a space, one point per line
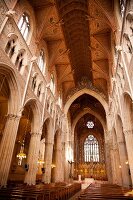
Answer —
21 155
40 161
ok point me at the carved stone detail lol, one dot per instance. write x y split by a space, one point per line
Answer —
85 83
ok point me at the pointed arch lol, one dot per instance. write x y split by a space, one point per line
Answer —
85 91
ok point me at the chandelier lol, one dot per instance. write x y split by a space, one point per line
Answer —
21 154
40 161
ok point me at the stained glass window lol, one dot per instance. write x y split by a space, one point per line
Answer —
91 149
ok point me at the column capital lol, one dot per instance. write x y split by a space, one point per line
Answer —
128 132
35 134
13 116
120 142
10 13
49 143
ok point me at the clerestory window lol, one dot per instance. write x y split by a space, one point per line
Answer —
24 25
41 60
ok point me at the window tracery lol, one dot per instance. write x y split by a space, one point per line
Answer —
91 149
24 25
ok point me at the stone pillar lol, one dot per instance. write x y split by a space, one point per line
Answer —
108 162
66 164
58 163
63 161
124 167
129 144
30 177
48 161
7 146
114 167
116 171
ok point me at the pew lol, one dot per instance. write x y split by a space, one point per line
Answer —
58 191
104 192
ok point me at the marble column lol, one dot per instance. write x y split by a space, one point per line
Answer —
129 144
46 178
7 146
30 177
124 167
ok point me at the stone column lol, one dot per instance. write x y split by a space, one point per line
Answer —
115 161
30 177
124 167
114 169
118 169
7 146
48 161
58 163
129 144
63 161
108 161
66 164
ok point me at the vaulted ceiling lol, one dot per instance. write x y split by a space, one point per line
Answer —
78 34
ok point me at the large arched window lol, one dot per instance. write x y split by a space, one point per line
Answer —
91 149
122 7
41 60
52 83
24 25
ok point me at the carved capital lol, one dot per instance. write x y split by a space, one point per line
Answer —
128 132
10 13
33 59
85 83
13 117
118 48
35 134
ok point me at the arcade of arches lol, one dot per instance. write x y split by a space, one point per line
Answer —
66 91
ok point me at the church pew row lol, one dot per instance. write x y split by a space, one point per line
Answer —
40 192
104 192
